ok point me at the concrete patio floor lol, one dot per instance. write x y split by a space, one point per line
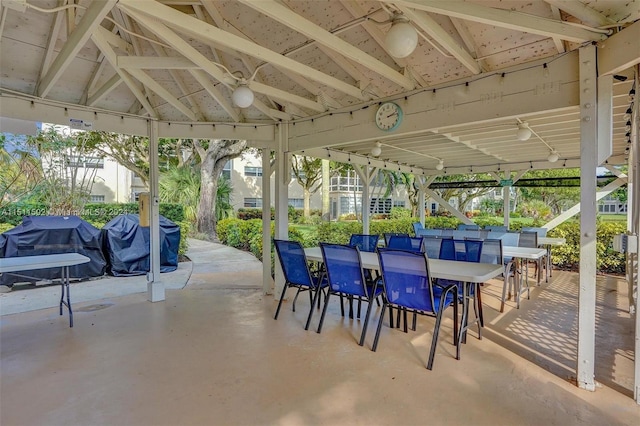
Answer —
211 354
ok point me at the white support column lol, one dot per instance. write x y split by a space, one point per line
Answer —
282 178
634 202
421 201
267 281
155 287
364 173
588 165
506 200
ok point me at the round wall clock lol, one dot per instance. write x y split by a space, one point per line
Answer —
388 116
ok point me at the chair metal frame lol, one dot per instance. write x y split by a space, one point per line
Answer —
297 273
346 278
400 287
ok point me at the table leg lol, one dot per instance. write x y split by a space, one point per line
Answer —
64 283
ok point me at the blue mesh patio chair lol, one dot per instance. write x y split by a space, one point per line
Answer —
429 233
529 239
343 267
417 227
496 228
297 274
408 287
466 227
388 235
364 242
406 243
432 246
542 232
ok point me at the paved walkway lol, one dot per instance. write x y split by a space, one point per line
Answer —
211 263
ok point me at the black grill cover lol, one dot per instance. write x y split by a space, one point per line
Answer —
127 245
52 235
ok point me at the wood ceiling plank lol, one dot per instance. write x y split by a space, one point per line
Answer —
443 38
204 31
505 19
291 19
90 22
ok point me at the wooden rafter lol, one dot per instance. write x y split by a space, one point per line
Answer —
91 20
291 19
505 19
203 31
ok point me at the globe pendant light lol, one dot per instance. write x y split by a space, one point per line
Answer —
524 132
376 150
402 38
242 96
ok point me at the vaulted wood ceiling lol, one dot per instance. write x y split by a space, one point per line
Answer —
180 60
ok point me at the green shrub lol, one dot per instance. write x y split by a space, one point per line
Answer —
568 255
399 213
92 212
4 227
185 228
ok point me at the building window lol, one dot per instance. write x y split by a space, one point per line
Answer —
87 162
398 203
252 171
97 198
297 203
253 202
380 206
226 171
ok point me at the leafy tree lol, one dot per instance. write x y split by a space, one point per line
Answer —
557 198
181 184
19 171
308 173
213 155
463 196
67 170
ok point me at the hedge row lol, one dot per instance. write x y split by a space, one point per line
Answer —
247 235
96 212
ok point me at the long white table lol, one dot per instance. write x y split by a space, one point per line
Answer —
469 273
10 265
446 269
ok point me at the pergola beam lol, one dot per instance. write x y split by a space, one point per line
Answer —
583 12
110 56
298 23
145 79
505 19
203 31
91 20
443 38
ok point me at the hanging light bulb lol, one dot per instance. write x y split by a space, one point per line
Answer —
553 156
376 150
440 165
524 132
242 96
402 38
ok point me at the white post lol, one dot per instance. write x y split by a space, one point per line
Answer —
267 281
506 199
634 204
421 200
364 173
282 178
588 165
155 287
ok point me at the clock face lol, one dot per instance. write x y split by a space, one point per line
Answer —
388 116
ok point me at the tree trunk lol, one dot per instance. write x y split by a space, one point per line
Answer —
213 160
205 217
326 201
306 201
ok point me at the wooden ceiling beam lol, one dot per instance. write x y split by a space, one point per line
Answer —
429 26
298 23
505 19
204 31
91 20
